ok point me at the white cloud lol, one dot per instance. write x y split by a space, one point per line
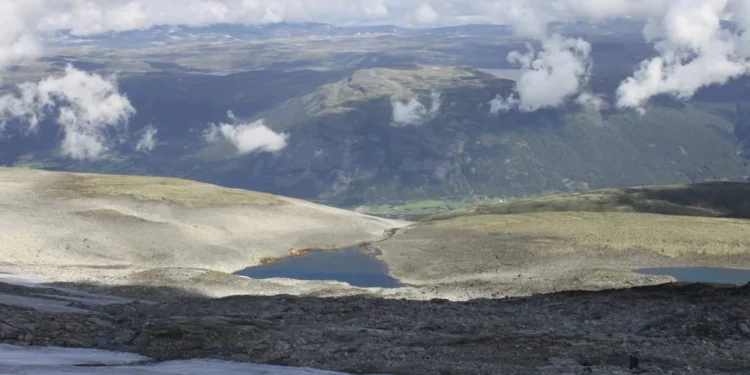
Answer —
91 17
86 106
413 112
526 20
426 15
248 137
551 76
231 116
694 51
148 139
18 40
500 104
592 102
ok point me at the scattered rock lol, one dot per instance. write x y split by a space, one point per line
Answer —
570 332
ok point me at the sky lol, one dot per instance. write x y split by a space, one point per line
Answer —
693 49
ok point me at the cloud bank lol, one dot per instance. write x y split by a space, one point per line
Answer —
413 112
86 106
91 17
247 137
693 49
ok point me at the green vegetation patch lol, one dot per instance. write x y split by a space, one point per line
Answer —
269 260
712 199
671 236
171 190
425 207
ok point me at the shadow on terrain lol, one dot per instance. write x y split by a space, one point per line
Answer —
711 199
697 323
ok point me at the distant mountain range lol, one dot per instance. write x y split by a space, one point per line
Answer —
344 145
167 35
401 115
170 35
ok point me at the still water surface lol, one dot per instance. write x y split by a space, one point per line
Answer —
348 265
702 274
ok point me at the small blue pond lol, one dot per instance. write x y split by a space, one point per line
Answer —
350 266
702 274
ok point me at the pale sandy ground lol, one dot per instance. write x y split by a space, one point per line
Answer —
53 234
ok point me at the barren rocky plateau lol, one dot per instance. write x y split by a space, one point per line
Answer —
674 328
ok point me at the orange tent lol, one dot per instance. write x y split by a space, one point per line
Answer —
293 252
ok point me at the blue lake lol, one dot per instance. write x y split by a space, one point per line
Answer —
349 265
702 274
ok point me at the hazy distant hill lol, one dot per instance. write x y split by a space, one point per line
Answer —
344 146
465 150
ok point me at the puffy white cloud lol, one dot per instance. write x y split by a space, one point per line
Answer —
147 142
248 137
87 107
694 51
527 20
413 112
18 38
551 76
426 15
592 102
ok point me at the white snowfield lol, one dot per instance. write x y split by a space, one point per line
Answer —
20 360
53 303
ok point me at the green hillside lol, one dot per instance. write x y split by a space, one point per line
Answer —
345 149
710 199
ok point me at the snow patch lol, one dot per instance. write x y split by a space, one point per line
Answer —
21 360
12 355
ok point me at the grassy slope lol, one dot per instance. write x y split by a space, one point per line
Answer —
344 151
553 236
465 151
171 190
65 219
581 151
713 199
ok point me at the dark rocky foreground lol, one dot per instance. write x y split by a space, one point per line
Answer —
670 329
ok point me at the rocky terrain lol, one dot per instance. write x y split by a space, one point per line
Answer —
667 329
540 286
